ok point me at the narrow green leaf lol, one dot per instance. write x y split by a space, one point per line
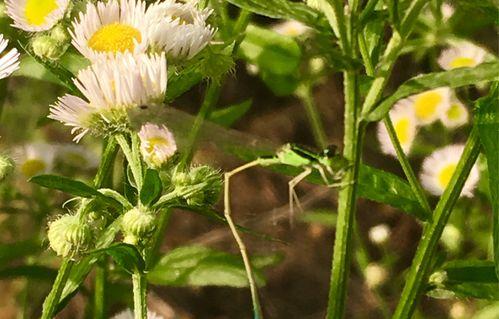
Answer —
453 78
487 121
201 266
229 115
281 9
66 185
125 255
470 271
152 187
270 51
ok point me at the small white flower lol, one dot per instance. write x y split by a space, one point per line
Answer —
439 167
111 87
36 15
405 125
430 105
107 28
157 144
128 314
379 234
451 237
9 62
463 54
447 11
291 28
35 158
77 156
179 29
375 275
456 114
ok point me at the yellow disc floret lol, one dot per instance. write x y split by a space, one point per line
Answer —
426 104
115 38
445 175
402 128
32 167
36 11
454 112
462 62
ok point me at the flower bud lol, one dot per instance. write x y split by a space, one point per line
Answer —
59 34
6 167
200 186
68 236
45 47
438 278
379 234
137 225
375 275
451 238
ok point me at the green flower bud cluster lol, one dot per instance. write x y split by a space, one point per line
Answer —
200 186
69 236
6 167
51 45
137 225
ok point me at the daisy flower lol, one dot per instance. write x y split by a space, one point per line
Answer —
456 114
439 167
290 28
36 15
9 62
465 54
111 27
430 105
157 144
405 125
35 158
179 29
128 314
112 86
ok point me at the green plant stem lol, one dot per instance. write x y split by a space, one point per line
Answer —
152 251
99 309
421 263
304 92
347 199
52 301
103 177
133 161
139 295
406 166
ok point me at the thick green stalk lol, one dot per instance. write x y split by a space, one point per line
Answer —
52 301
406 166
304 92
99 309
139 295
421 264
347 199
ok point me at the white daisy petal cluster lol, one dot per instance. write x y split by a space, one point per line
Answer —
118 26
112 86
179 29
419 110
35 158
439 167
9 62
463 54
291 28
128 314
36 15
157 144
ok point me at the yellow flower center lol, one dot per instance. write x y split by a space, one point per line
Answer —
462 62
402 128
36 11
32 167
426 104
114 38
155 141
445 175
454 112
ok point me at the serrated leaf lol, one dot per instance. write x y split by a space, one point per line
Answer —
125 255
66 185
227 116
487 121
453 78
201 266
152 187
270 51
281 9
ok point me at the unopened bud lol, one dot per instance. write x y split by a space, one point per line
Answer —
68 236
59 34
451 238
45 47
379 234
137 225
375 275
438 278
6 167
